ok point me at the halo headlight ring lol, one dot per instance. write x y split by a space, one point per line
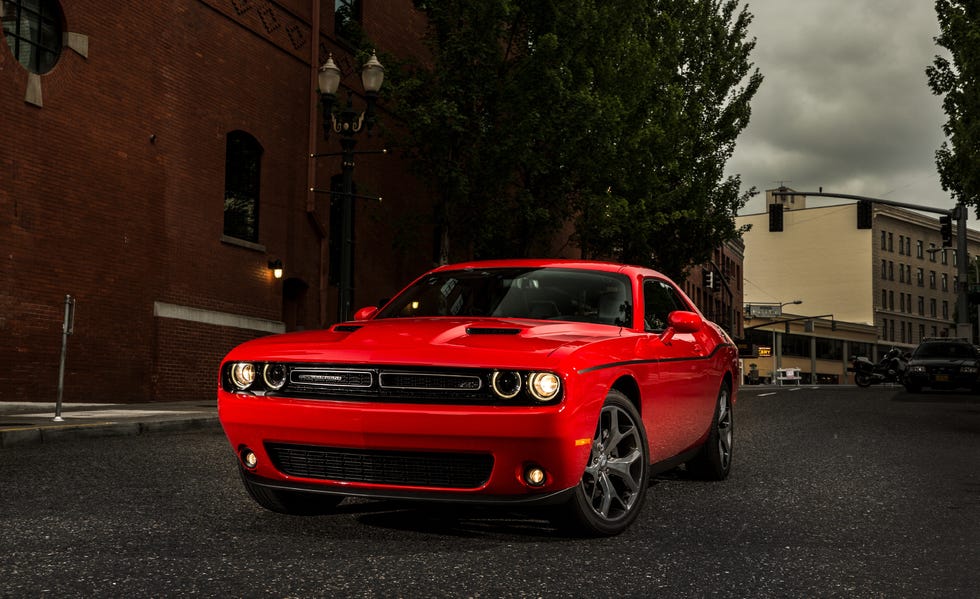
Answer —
506 383
242 375
274 376
544 386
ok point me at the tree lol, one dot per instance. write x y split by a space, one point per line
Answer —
958 79
616 117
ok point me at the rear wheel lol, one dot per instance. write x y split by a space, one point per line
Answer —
609 496
714 460
862 380
296 503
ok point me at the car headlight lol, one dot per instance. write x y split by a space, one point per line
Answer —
242 374
544 386
917 368
505 383
968 369
274 376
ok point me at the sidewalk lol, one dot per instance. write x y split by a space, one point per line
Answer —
28 423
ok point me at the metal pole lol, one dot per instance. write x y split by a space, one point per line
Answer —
67 328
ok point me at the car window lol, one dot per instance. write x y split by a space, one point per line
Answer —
945 350
536 293
659 300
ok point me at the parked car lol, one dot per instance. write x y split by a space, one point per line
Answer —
943 364
521 383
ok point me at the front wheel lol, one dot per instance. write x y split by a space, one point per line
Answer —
609 496
862 380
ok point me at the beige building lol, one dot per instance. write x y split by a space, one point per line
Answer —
889 285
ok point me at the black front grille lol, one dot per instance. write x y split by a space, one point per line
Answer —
435 382
405 468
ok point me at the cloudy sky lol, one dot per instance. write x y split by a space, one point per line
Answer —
845 104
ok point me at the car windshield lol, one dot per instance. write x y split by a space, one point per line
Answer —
536 293
944 350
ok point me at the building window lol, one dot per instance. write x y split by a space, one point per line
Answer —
918 249
891 300
908 274
884 237
944 259
901 244
243 158
945 282
932 279
33 32
347 19
922 306
932 307
932 252
884 299
884 330
891 270
901 300
884 269
920 277
945 310
922 332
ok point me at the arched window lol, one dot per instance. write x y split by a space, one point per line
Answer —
243 164
33 31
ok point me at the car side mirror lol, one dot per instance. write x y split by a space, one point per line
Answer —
681 321
366 313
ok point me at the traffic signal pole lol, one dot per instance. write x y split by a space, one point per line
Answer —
958 213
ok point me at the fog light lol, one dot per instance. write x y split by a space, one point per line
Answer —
534 476
249 458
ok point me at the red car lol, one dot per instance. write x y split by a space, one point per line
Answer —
517 382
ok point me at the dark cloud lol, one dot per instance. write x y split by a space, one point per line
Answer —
845 103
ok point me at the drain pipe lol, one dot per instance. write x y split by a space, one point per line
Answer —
318 223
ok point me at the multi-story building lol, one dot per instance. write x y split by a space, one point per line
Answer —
156 161
887 281
716 287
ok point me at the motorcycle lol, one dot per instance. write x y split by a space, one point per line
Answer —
890 369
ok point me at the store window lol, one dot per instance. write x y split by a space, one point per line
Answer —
33 29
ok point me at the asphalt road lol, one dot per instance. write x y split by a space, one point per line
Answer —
835 492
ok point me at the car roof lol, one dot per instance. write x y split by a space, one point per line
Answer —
554 263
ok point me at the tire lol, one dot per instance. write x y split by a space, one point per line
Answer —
614 485
862 380
714 459
295 503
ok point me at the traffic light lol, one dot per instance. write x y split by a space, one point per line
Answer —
775 218
864 214
946 230
709 279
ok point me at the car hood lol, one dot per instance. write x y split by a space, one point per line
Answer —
513 343
955 362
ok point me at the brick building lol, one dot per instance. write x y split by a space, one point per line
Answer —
155 160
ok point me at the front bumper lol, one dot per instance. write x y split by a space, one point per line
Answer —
942 379
400 450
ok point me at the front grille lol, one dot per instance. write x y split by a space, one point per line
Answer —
433 382
402 468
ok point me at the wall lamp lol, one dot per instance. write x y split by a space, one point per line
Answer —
276 267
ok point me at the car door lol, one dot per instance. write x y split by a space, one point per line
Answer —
682 390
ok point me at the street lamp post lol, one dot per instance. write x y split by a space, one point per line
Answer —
348 123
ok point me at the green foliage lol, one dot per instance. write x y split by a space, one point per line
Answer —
616 117
958 79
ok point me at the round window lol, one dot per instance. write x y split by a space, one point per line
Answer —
33 31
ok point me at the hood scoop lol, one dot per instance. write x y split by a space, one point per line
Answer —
492 331
347 328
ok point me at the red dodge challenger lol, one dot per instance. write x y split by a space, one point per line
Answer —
521 382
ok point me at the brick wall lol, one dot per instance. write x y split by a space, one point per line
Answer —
113 192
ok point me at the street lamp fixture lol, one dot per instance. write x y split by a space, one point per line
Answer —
348 122
276 267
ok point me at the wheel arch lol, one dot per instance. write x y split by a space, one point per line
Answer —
628 386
